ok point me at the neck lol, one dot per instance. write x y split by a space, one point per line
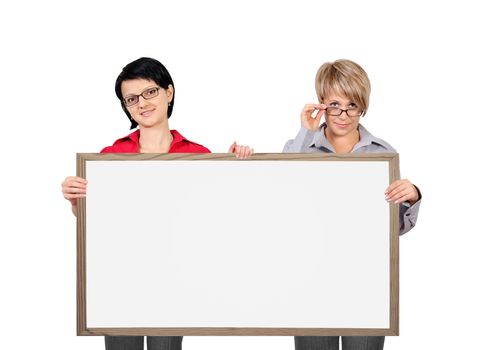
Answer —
345 143
155 139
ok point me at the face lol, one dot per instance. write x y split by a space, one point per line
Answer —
341 125
151 108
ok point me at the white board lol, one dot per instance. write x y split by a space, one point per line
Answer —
285 244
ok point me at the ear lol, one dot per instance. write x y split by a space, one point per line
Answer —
170 93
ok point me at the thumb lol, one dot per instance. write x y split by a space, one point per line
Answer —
232 147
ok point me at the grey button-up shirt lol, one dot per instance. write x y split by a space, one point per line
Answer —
309 142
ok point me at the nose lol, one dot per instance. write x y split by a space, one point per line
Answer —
343 114
142 102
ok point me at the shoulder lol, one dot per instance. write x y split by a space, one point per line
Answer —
374 143
302 142
384 144
126 144
183 145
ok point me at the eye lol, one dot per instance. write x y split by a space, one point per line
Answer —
150 92
352 106
130 100
334 104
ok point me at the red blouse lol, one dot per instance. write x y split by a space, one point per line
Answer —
179 144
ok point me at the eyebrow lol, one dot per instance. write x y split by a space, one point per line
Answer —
348 103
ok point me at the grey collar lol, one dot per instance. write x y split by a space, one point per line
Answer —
366 138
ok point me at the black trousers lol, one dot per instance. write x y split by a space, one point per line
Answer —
137 343
331 343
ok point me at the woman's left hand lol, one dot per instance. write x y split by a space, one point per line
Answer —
241 152
401 191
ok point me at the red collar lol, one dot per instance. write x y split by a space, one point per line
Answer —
134 137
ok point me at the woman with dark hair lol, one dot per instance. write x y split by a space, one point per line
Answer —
147 69
146 92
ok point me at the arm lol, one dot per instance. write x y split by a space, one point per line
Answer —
409 197
408 215
74 187
310 122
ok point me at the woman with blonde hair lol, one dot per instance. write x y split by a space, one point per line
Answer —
343 90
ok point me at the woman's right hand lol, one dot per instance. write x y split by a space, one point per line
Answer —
309 121
74 187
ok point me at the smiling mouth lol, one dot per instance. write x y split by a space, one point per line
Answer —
146 113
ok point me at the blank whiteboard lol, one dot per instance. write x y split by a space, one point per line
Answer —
279 244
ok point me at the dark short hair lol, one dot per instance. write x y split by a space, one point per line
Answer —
144 68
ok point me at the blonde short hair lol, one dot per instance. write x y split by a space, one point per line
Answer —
343 77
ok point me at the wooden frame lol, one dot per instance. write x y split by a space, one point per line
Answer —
389 324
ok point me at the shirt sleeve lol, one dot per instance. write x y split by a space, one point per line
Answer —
408 215
300 143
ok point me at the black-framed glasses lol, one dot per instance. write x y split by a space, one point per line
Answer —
147 94
351 112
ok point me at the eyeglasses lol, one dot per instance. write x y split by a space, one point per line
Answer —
146 94
351 112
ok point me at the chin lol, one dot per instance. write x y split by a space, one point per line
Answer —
148 123
342 132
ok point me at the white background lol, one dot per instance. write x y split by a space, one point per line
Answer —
242 71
